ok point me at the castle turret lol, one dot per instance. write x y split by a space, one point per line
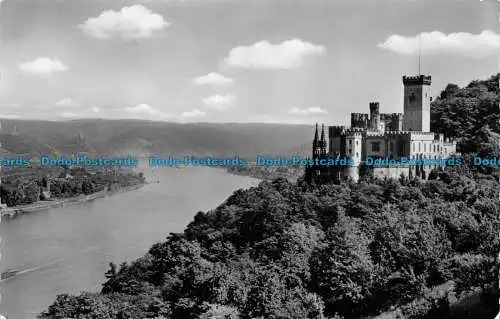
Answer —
322 143
374 116
315 148
396 123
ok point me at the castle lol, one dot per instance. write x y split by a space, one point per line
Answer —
404 139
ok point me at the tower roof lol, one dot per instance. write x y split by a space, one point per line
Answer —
315 141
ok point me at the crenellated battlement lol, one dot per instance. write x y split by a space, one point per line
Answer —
355 131
394 133
417 80
373 133
426 134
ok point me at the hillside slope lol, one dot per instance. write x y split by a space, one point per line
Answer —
290 250
132 137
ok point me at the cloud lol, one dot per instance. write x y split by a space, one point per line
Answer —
219 102
96 109
144 111
67 102
213 79
194 113
143 108
264 55
461 43
43 65
132 22
309 111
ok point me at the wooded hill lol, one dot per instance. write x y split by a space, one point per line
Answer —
354 250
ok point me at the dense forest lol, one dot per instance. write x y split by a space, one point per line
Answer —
403 248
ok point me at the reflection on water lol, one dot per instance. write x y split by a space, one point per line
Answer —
68 249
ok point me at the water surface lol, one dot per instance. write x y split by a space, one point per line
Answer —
68 249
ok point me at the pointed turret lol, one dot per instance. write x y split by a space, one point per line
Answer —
323 141
315 143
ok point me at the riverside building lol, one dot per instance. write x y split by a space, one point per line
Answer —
397 136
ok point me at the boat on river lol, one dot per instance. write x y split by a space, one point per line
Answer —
8 274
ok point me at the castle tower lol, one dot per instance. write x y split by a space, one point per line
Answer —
417 103
354 147
374 116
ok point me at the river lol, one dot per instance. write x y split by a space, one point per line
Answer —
68 249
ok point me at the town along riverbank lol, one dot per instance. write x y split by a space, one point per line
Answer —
12 212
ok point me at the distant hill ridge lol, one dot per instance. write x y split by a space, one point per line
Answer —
137 138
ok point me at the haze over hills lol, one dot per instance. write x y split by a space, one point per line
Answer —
137 138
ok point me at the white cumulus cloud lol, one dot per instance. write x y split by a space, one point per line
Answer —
264 55
144 111
42 65
219 102
96 109
194 113
308 111
67 102
133 22
462 43
212 79
142 108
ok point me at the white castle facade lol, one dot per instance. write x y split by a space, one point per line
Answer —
400 137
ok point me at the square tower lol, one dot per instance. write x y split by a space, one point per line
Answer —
417 103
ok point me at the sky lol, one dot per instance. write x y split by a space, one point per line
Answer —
279 61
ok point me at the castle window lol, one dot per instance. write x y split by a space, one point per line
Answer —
350 151
419 146
391 147
357 154
350 142
434 148
425 147
375 146
357 142
412 97
413 147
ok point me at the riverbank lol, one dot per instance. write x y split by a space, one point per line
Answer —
13 212
291 173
